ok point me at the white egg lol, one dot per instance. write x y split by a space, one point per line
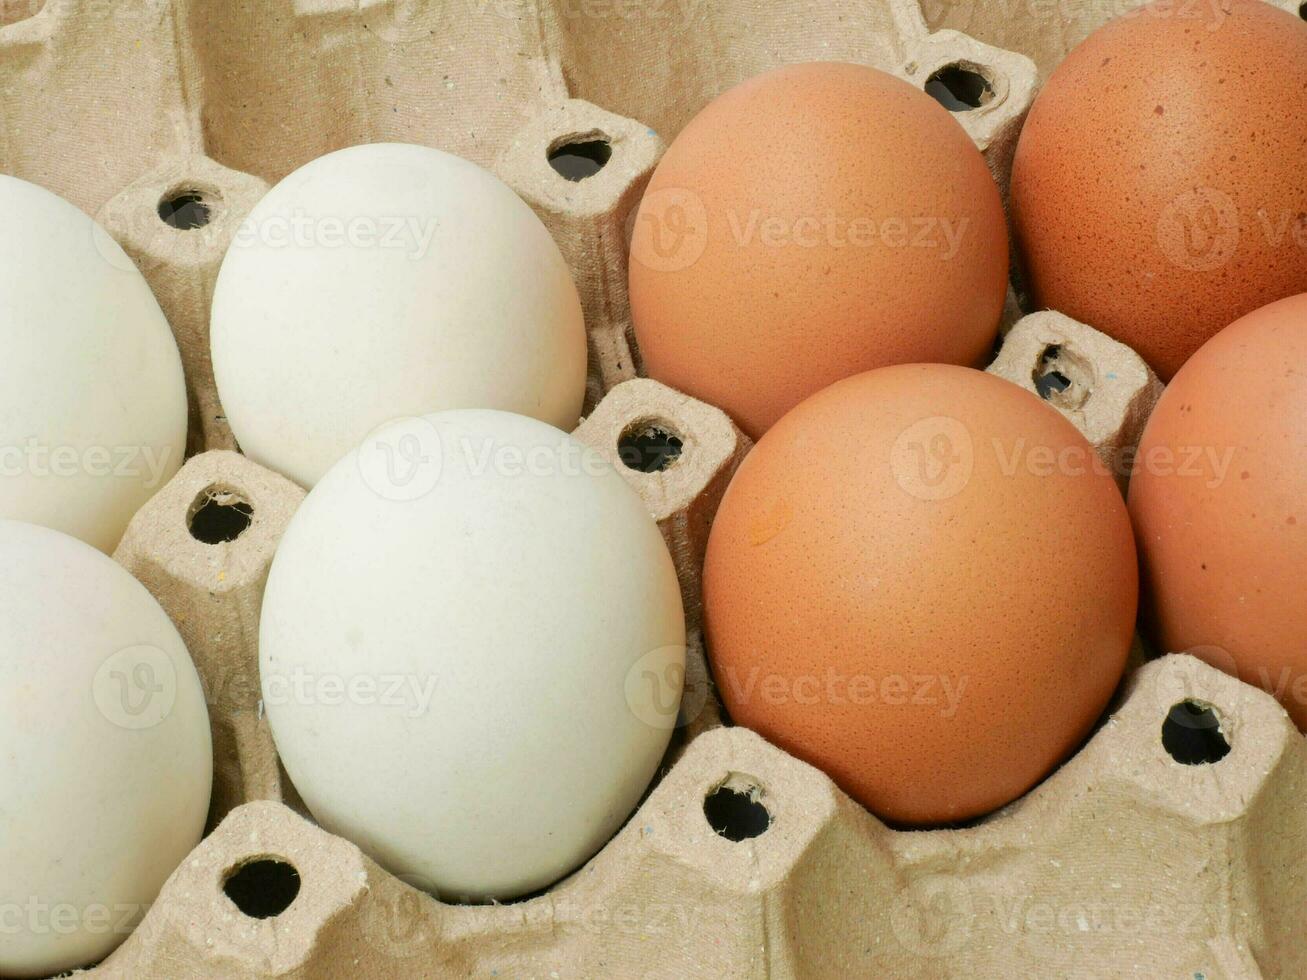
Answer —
104 740
388 280
92 398
471 649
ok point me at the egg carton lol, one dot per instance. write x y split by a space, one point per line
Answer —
168 119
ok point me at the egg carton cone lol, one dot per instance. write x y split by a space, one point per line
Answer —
679 454
203 546
1102 386
1047 30
176 224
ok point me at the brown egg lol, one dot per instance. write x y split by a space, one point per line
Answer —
1219 502
813 222
1159 189
921 581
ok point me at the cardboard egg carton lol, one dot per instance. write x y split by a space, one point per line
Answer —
203 546
168 119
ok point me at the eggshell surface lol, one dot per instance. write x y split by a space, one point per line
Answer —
1158 190
1219 502
382 281
813 222
92 397
104 739
920 582
457 638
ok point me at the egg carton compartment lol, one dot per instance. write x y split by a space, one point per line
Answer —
168 119
203 546
1100 384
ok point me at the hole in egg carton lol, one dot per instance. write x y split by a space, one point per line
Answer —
219 514
1302 11
186 208
1191 734
1063 377
961 86
734 809
649 445
16 11
576 157
262 887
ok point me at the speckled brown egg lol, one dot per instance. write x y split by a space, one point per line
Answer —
920 582
811 223
1159 190
1219 502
